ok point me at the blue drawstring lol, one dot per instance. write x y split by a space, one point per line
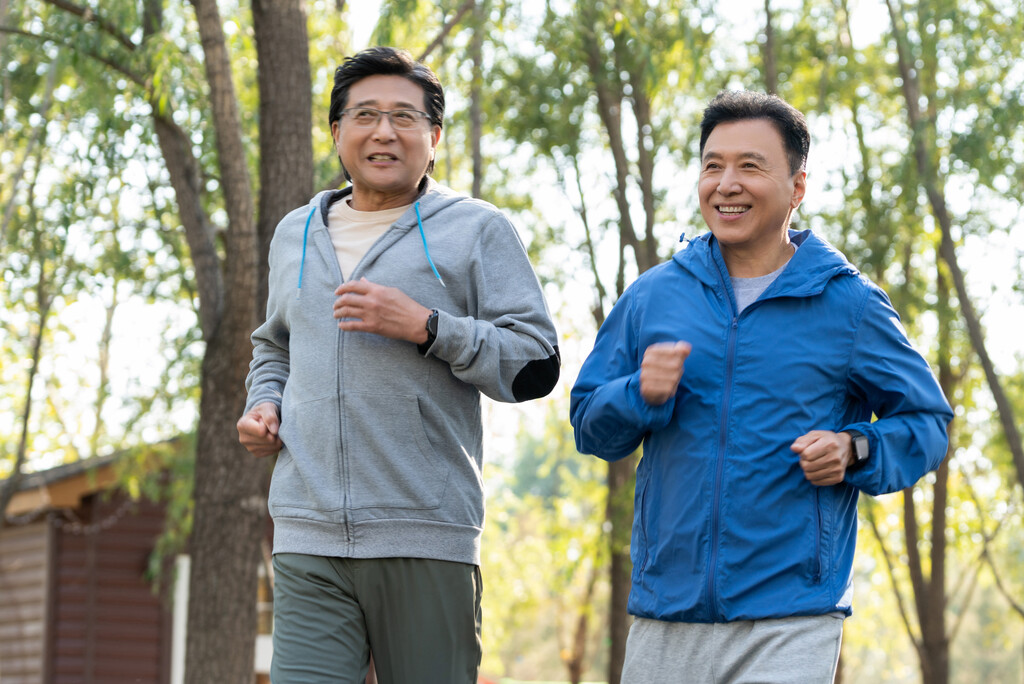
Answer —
425 248
419 221
305 236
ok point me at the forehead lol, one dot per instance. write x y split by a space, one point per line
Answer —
746 136
386 90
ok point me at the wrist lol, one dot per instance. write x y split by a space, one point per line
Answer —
428 332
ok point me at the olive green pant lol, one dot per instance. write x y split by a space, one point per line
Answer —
420 618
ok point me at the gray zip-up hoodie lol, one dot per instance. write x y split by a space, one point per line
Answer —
382 439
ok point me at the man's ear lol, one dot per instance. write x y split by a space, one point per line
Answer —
336 132
799 188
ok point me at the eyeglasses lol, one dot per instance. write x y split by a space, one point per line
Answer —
367 117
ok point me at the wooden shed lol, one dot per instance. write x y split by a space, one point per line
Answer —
75 603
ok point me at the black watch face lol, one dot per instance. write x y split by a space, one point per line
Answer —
432 324
860 447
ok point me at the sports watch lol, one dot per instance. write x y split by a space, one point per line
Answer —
431 328
861 449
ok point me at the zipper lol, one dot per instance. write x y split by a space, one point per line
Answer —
817 536
346 494
643 529
342 456
720 467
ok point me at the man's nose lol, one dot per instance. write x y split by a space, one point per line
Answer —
729 182
384 128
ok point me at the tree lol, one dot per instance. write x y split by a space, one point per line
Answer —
919 68
229 492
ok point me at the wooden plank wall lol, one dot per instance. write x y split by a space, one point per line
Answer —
110 627
23 583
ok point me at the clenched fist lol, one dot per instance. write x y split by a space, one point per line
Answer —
661 370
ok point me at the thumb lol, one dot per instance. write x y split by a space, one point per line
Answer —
268 414
272 424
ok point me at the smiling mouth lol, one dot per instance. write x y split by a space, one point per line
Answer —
382 157
733 209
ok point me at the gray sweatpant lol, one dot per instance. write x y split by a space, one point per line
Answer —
421 619
797 650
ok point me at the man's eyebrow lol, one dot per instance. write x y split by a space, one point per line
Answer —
756 156
373 102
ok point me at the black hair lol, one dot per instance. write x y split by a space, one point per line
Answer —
739 105
387 61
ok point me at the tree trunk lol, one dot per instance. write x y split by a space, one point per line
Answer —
229 503
9 486
286 105
621 474
476 54
620 514
771 71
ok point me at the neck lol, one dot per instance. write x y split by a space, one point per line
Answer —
379 201
742 264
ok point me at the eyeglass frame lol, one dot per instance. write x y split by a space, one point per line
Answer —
421 115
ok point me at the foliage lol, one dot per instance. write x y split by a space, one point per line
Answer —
87 211
544 545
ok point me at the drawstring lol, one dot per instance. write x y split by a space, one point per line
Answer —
305 236
425 248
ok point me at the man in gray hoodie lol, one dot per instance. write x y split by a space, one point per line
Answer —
393 304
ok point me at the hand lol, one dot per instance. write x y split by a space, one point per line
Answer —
367 307
257 430
661 370
824 456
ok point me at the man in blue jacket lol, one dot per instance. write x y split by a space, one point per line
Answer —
754 455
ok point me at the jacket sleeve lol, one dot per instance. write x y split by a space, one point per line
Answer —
507 347
269 368
609 417
909 436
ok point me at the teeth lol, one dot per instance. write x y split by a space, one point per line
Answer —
381 157
732 210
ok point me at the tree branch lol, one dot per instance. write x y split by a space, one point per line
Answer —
90 16
890 566
64 42
917 580
465 7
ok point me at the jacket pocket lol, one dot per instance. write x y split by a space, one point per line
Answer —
639 551
307 474
817 566
388 457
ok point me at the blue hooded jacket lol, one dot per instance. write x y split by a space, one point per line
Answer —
726 526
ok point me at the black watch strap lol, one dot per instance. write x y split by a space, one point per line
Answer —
432 327
431 333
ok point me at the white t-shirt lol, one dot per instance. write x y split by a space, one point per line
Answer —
354 232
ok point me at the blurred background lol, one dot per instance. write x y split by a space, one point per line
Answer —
148 149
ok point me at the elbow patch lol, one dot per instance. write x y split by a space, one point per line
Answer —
537 378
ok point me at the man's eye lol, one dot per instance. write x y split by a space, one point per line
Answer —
366 115
403 116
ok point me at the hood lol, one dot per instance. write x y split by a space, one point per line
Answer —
814 264
433 198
